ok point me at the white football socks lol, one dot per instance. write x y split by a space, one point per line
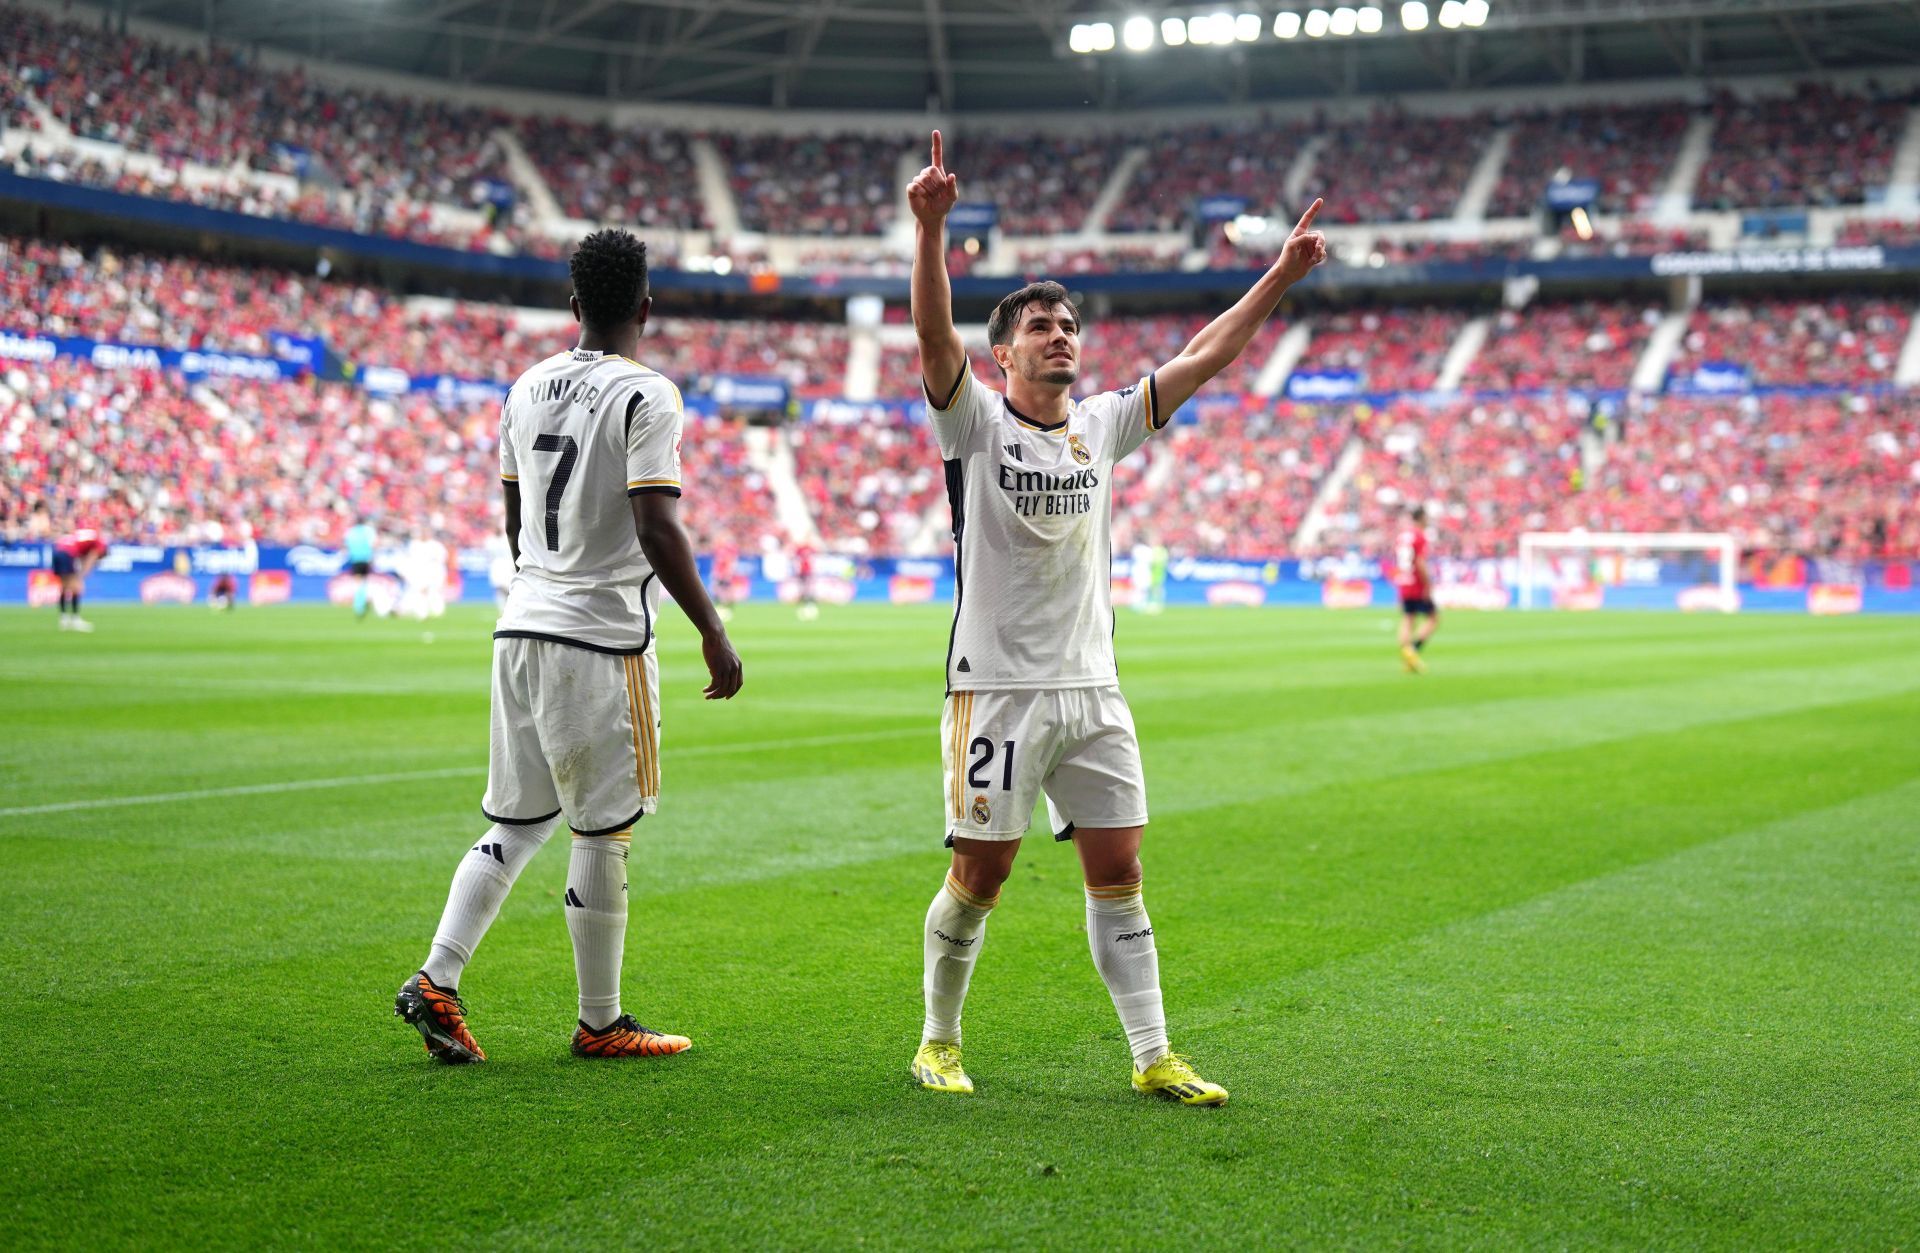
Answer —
480 884
1121 938
597 920
956 927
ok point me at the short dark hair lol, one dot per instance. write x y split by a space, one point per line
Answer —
1045 293
1417 512
609 271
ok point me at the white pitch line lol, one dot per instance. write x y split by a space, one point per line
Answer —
411 776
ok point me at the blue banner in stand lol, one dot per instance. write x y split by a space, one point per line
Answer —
310 574
192 362
1325 384
1572 193
1220 208
973 215
1713 378
746 391
305 352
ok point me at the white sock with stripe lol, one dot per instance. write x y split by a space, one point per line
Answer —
1121 938
956 927
480 884
597 920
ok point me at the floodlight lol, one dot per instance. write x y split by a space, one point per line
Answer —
1413 15
1344 21
1137 34
1080 38
1474 12
1103 36
1370 21
1317 22
1453 15
1246 27
1173 32
1286 24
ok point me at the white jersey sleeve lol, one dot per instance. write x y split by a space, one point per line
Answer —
1129 415
509 465
968 407
654 420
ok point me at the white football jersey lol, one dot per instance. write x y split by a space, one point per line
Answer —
579 434
1032 534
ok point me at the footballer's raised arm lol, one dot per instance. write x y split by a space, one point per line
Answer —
1228 335
931 196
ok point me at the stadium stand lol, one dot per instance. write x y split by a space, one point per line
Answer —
871 487
1187 163
1043 185
1836 342
1820 146
1397 167
812 184
1627 149
1394 349
622 175
1591 345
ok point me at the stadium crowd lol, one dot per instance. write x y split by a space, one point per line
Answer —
1582 346
1819 146
1626 149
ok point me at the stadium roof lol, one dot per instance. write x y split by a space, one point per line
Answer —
977 55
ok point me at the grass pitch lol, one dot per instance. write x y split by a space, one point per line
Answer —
1603 934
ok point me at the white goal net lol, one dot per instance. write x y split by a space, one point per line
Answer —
1693 569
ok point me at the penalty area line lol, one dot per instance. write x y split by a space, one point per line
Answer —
415 776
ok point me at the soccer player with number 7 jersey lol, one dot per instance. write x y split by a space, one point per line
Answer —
590 466
1034 705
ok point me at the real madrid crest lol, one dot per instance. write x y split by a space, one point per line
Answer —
1078 449
982 812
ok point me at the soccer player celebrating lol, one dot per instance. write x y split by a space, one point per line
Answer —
1418 616
74 557
590 459
1033 701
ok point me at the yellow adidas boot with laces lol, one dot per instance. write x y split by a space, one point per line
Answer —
1172 1077
937 1067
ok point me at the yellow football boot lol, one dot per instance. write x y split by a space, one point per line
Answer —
937 1067
1410 658
1172 1077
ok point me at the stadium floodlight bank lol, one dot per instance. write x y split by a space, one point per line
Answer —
1535 545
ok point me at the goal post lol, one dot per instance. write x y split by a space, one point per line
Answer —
1723 549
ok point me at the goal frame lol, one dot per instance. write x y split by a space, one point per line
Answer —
1534 543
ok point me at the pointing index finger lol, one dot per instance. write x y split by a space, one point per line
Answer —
1306 219
938 162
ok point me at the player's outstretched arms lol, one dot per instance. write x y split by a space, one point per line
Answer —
656 521
1227 336
931 196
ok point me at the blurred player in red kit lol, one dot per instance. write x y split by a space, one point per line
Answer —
1413 579
74 557
225 592
725 577
803 572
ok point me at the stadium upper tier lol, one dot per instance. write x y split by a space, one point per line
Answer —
211 126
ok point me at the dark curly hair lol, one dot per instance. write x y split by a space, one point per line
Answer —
609 271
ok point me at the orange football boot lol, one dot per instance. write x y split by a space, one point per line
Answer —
440 1016
623 1037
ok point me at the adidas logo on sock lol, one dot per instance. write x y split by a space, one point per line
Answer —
493 849
574 901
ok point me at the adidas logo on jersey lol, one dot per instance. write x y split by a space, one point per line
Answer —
1013 450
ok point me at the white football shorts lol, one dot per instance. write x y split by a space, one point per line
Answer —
574 731
1003 750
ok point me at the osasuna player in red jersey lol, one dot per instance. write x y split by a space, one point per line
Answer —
590 464
74 557
1418 616
1034 703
